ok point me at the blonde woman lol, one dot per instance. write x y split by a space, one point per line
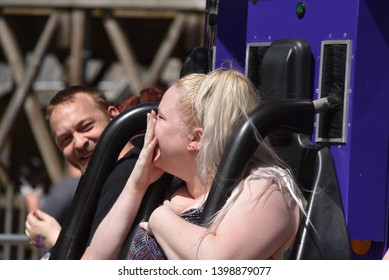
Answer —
187 139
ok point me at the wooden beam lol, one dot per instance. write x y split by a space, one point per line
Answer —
124 51
64 30
8 218
31 106
181 5
23 88
31 72
12 53
165 49
5 178
77 46
43 139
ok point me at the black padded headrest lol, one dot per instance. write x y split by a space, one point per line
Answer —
197 61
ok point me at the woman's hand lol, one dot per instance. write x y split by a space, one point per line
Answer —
145 172
119 220
42 229
160 213
176 208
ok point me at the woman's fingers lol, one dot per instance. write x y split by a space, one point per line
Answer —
151 119
177 208
145 227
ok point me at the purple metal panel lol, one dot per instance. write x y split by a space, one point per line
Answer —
231 34
369 124
270 20
362 162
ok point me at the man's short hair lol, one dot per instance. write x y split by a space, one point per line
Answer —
67 95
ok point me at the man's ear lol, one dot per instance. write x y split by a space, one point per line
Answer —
113 111
195 140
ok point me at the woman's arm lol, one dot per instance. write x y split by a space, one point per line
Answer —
112 231
254 228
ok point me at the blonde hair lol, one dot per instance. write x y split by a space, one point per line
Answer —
218 102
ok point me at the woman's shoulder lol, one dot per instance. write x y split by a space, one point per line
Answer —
274 171
273 181
274 176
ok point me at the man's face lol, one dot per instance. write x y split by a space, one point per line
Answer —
76 126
